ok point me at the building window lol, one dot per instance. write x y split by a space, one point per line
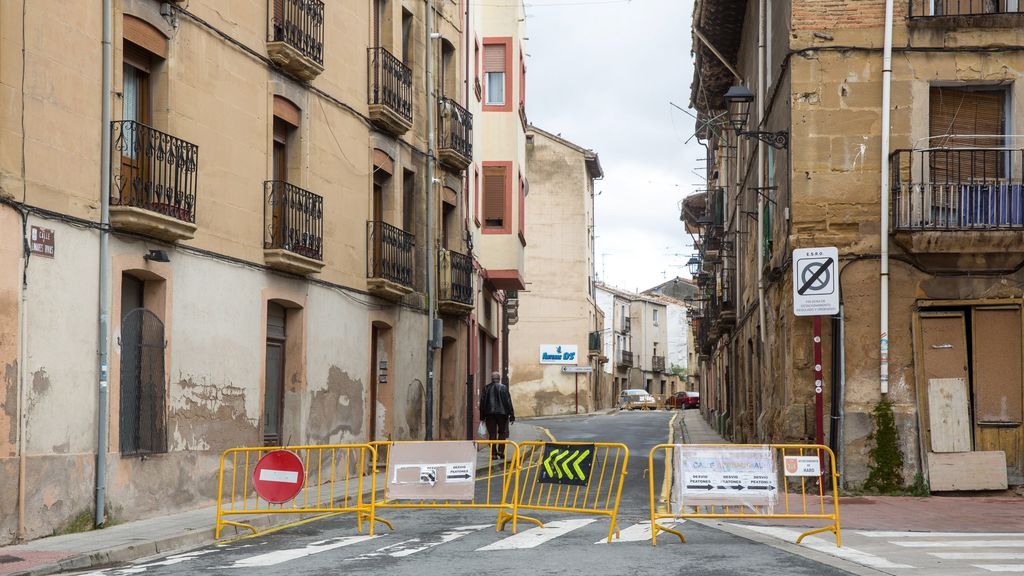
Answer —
497 201
142 414
497 82
654 317
476 195
522 210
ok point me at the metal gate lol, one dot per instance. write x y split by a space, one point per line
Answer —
143 406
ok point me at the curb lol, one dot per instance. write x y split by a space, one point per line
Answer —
177 543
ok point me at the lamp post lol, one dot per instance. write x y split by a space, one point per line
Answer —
738 98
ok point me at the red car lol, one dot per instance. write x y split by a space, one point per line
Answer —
683 400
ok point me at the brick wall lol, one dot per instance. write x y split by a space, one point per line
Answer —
828 15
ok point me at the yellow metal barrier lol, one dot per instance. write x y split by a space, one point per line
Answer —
797 496
334 482
599 493
494 483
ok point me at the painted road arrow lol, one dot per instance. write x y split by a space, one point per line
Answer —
566 464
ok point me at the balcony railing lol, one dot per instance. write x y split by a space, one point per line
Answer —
391 253
625 325
390 90
456 133
454 277
935 8
594 342
957 189
153 171
658 363
300 24
625 358
294 219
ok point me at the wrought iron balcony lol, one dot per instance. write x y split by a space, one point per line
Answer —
940 8
958 201
626 322
658 363
390 91
625 358
153 181
294 228
454 282
389 265
296 41
594 343
455 145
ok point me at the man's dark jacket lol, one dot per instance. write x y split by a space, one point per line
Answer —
496 400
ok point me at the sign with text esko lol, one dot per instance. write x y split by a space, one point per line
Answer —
558 353
816 281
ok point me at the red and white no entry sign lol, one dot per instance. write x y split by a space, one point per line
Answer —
278 476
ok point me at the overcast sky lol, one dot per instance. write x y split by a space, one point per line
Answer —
602 74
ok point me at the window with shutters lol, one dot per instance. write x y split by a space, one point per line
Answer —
497 80
971 121
522 210
497 197
477 208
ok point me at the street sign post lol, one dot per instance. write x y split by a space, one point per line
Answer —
278 476
816 293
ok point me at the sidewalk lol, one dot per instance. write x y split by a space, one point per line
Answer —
150 537
907 513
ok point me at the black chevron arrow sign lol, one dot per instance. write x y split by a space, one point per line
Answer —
568 464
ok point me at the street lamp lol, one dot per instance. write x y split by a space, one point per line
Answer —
738 99
693 265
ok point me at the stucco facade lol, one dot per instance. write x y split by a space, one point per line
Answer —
558 308
948 275
296 258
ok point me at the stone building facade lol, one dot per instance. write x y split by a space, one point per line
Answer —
269 238
814 178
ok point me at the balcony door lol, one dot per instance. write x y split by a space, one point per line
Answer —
135 107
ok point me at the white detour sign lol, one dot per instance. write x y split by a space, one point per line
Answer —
816 281
431 470
723 476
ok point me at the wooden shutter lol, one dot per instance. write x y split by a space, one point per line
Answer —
145 36
494 57
955 111
494 197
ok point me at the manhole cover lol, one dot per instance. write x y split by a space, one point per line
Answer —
7 559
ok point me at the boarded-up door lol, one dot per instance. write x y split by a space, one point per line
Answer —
998 385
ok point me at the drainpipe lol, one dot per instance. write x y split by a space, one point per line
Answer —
104 304
431 288
762 87
883 335
22 373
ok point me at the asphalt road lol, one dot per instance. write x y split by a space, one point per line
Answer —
450 542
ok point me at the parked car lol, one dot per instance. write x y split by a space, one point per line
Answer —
637 399
683 400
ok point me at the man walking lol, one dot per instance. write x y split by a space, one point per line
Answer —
497 413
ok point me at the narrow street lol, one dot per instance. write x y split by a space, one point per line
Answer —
465 542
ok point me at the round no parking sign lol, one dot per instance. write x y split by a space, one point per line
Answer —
278 476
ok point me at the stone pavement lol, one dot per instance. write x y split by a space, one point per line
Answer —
150 537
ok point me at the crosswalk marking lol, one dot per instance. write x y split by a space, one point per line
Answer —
637 532
536 536
414 545
885 534
140 568
979 555
1001 567
961 544
828 547
280 556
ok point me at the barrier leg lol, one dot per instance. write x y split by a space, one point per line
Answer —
223 523
833 529
655 528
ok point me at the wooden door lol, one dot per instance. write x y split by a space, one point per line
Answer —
943 356
996 374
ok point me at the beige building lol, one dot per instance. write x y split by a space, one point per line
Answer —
277 245
922 197
636 341
557 311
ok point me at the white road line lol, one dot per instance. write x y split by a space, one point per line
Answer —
962 544
638 532
884 534
281 556
414 545
536 536
979 555
140 568
1001 567
826 546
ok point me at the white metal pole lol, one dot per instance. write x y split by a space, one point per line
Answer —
104 280
883 341
431 288
762 86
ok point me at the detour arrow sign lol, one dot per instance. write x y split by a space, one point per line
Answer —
566 464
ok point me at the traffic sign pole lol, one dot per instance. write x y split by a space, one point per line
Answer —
819 405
